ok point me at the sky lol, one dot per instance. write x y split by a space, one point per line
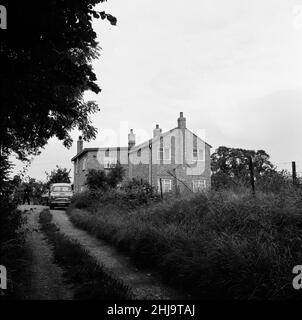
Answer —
234 68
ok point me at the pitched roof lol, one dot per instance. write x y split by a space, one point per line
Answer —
85 150
146 143
135 148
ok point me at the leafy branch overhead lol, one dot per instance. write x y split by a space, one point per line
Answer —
45 68
103 15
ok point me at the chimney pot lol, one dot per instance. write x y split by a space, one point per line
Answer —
181 121
80 145
131 139
156 131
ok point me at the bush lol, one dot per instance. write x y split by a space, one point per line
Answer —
12 253
99 180
132 194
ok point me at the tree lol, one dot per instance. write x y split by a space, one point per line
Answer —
5 187
45 57
115 175
58 175
98 179
230 166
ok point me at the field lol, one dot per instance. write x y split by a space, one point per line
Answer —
221 245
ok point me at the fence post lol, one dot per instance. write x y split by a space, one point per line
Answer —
294 173
161 188
251 166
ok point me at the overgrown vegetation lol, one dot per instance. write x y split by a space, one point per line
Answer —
12 234
12 253
89 280
130 195
222 245
100 180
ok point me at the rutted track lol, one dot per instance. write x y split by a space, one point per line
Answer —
142 285
46 281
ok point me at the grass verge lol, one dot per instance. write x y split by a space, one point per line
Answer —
89 280
12 252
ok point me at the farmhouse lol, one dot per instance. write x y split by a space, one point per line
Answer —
178 159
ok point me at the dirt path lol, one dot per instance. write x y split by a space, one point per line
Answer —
45 278
143 285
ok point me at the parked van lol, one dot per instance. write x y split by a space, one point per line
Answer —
60 195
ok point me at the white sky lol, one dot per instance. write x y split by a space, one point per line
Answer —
233 67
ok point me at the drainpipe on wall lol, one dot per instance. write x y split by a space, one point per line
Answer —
150 163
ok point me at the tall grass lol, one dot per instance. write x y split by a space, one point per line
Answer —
13 253
216 246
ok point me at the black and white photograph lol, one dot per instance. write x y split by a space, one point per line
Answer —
150 153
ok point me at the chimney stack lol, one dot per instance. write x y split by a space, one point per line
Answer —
131 139
157 131
80 145
181 121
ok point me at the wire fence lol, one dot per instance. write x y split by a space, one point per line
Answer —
292 167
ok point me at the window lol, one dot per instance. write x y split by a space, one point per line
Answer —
164 153
198 154
199 185
107 153
139 152
160 153
167 154
76 165
84 164
61 189
166 185
110 162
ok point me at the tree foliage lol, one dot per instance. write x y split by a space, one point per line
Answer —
230 166
58 175
115 175
45 67
96 179
99 179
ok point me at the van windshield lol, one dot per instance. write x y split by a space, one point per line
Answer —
61 189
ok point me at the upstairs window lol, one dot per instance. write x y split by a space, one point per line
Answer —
164 153
198 154
107 153
139 152
84 164
167 154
